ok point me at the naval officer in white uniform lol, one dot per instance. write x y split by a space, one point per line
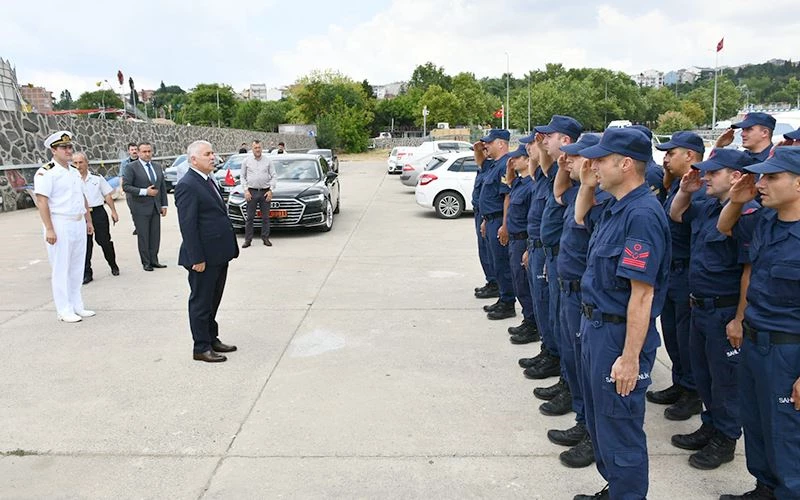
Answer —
64 211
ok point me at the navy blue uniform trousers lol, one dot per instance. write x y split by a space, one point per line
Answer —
519 276
541 297
571 348
615 423
553 300
715 365
675 320
499 254
483 251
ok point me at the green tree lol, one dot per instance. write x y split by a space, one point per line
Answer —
65 101
201 106
429 74
673 121
694 112
477 105
246 113
96 99
729 98
272 114
403 109
442 105
344 127
659 101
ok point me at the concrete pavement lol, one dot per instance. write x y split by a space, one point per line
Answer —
365 369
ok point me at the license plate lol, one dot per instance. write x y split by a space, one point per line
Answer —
227 189
278 214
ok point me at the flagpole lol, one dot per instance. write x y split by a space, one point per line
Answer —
714 107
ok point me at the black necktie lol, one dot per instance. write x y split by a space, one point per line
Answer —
150 173
213 187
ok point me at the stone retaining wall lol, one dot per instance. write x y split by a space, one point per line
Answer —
22 136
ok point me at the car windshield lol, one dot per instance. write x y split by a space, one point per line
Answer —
435 162
234 162
178 160
297 169
321 152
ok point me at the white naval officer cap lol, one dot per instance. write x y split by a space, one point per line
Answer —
58 139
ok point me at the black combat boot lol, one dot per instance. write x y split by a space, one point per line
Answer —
718 451
762 492
581 455
668 396
549 366
549 392
504 310
569 437
492 307
600 495
687 405
697 440
559 405
529 334
488 291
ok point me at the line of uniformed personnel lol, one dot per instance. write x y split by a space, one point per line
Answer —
596 241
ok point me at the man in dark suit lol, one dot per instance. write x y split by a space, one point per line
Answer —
209 243
144 183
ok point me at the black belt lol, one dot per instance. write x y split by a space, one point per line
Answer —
774 337
553 251
493 216
518 236
569 285
703 302
538 244
678 264
92 208
589 309
259 189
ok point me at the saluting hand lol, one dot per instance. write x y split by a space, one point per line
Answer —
691 181
625 372
743 189
562 161
588 177
725 139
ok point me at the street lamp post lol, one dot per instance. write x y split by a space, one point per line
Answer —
529 102
218 117
507 112
425 113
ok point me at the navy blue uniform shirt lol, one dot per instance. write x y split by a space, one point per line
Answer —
476 188
773 299
575 237
518 205
553 214
654 177
493 189
717 259
542 185
681 233
760 157
631 242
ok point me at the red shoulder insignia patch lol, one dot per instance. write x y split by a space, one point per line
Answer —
636 255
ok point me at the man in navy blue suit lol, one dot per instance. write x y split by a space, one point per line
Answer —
209 243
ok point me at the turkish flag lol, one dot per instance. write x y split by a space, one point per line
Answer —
498 113
229 180
721 44
120 78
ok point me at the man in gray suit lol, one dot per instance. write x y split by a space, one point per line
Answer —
143 182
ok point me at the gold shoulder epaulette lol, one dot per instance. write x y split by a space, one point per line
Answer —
48 166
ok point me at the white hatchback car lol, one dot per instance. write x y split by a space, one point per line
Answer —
447 186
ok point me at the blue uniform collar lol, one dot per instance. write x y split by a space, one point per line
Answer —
538 174
771 217
629 198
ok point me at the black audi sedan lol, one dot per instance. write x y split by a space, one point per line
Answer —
307 195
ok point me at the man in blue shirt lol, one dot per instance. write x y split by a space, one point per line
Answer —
492 202
623 290
516 220
756 135
769 371
490 289
682 150
719 274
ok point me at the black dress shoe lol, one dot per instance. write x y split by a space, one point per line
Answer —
550 366
504 310
581 455
718 451
492 307
87 279
134 232
267 242
209 357
694 441
762 492
158 265
147 267
569 437
600 495
246 244
688 404
668 396
548 393
220 347
115 271
559 405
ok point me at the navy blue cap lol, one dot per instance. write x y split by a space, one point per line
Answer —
520 151
751 119
586 141
642 128
793 136
528 138
497 133
725 158
783 159
624 141
563 125
684 139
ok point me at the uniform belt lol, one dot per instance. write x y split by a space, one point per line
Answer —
588 310
493 216
678 264
723 301
569 285
518 236
68 217
552 251
537 243
774 337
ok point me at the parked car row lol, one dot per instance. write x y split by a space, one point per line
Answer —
402 156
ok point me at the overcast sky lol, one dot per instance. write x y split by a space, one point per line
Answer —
237 42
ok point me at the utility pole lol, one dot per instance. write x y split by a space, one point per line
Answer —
425 113
529 102
218 117
506 112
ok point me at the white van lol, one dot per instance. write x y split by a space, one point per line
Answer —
619 124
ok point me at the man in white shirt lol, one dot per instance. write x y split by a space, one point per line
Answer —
64 212
258 180
97 192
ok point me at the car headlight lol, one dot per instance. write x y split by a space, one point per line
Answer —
312 198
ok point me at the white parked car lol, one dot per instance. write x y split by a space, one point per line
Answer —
397 158
406 155
447 186
411 170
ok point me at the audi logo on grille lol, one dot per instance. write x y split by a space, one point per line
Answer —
275 204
